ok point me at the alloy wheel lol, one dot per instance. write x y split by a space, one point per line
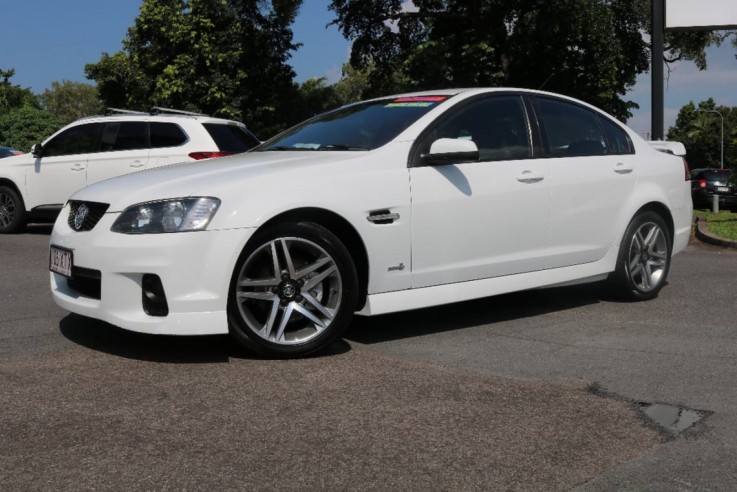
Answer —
648 257
289 290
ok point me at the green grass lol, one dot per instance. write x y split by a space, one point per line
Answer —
723 224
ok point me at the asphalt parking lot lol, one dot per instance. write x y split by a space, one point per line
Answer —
539 390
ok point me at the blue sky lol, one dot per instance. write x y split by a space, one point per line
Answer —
48 40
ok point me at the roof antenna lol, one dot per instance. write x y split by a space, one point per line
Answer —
546 81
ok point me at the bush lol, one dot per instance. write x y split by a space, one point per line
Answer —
25 126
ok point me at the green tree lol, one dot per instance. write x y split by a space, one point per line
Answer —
71 101
22 122
354 84
225 58
699 128
22 127
14 96
590 49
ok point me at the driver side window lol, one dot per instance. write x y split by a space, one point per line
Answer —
80 139
497 125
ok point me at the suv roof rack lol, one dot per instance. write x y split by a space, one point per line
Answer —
109 111
158 110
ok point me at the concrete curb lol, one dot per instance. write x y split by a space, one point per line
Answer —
704 235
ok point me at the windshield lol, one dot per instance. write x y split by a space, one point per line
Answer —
363 126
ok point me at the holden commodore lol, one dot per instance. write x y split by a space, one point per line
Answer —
391 204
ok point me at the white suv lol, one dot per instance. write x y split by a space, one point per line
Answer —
35 186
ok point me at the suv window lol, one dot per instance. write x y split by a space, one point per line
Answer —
80 139
497 125
230 138
166 135
123 135
570 129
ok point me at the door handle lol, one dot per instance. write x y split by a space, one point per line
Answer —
382 217
530 177
137 164
622 168
78 167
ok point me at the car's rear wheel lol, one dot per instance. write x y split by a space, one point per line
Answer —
644 258
12 211
293 291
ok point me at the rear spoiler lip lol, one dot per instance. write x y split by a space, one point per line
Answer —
669 147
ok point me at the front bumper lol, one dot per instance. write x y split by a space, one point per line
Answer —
195 269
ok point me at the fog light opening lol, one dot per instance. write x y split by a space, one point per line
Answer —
153 296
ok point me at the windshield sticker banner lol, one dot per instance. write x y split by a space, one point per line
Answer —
421 99
409 105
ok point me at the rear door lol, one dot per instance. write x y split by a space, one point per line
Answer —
168 144
592 171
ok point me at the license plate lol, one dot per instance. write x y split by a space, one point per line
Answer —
722 189
60 261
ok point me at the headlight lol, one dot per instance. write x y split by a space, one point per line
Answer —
175 215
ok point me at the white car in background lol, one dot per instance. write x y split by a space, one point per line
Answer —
35 186
392 204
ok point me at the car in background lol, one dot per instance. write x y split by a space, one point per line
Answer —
709 182
387 205
35 186
9 151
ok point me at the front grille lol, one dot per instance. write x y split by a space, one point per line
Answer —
95 212
86 281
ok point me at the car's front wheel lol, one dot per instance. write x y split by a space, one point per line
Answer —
12 211
293 291
644 258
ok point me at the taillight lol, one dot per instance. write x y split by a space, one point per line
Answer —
685 168
702 184
208 155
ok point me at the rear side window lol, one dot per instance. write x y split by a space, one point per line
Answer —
570 129
80 139
230 138
123 135
167 135
619 141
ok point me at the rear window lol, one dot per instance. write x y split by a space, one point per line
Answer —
166 135
231 138
717 175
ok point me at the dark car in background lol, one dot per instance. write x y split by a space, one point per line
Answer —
705 183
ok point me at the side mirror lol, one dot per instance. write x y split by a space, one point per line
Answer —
452 151
37 150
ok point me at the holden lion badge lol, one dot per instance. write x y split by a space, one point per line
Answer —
79 216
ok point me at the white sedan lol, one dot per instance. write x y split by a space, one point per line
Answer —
387 205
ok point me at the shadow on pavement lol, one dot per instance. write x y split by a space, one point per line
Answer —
39 229
104 337
467 314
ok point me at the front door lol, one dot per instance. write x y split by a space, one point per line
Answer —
481 219
62 169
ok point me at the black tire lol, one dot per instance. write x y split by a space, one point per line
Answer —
304 306
644 258
12 211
